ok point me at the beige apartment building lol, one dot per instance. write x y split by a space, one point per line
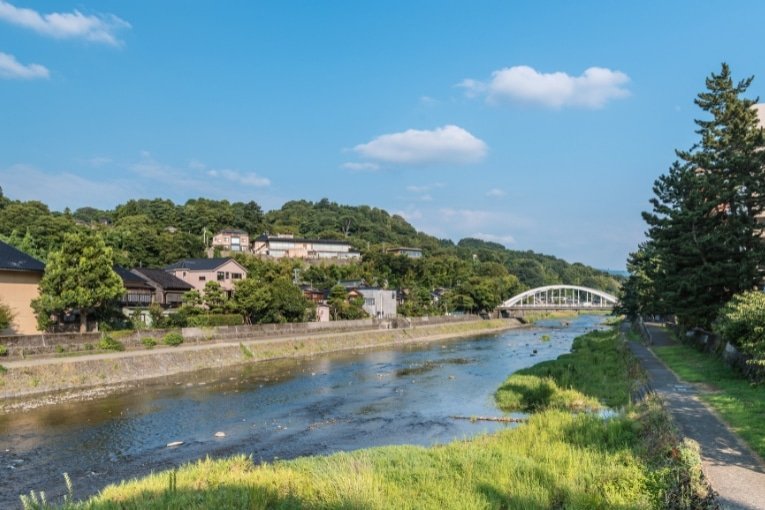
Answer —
292 247
20 277
232 240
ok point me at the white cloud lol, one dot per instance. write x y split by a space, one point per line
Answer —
100 28
361 167
592 89
246 178
448 144
496 193
501 239
12 68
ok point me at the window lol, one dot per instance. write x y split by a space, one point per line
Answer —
236 276
369 301
221 276
202 278
227 276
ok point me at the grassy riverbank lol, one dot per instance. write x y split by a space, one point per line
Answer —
739 402
557 459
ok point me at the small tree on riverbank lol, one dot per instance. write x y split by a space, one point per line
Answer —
742 322
78 277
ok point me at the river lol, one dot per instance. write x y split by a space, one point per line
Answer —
279 409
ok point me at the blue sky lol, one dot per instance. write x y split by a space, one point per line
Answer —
539 125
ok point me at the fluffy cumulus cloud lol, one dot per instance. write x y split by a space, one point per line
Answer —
13 69
66 25
445 145
592 89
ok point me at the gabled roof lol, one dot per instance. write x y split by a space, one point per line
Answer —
162 278
130 279
200 264
12 259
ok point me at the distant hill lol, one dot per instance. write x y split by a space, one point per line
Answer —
157 232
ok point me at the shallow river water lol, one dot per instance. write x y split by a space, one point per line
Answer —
279 409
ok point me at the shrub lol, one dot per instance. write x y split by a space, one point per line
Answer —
218 319
110 344
6 315
173 339
3 369
3 350
148 342
742 322
60 348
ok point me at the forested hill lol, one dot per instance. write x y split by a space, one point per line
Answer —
157 232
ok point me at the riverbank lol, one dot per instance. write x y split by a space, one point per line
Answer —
26 384
556 459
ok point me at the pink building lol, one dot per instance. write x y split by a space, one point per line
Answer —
197 272
232 240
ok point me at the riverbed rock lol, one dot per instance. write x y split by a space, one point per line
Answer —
174 443
220 434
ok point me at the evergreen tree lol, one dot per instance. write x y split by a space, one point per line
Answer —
78 277
703 226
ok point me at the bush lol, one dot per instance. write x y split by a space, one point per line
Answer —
742 322
6 315
148 342
173 339
3 350
108 343
211 320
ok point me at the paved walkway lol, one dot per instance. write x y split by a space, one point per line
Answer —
733 470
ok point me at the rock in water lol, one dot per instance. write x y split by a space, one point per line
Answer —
220 434
174 443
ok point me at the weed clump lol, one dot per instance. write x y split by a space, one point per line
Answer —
173 339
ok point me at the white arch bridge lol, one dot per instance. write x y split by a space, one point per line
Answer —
559 297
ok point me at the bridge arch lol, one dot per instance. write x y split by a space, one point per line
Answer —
559 297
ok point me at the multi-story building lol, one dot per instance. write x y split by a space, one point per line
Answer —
412 253
197 272
168 290
379 303
296 248
232 240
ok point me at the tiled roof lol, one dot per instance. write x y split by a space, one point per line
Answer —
130 279
199 264
164 279
12 259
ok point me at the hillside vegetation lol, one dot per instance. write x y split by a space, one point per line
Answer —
157 232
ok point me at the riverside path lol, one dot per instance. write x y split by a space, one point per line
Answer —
735 472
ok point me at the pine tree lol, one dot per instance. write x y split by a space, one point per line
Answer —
704 221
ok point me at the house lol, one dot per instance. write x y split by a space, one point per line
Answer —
20 277
296 248
233 240
197 272
168 290
412 253
379 303
313 294
138 292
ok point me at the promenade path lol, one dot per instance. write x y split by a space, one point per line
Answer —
735 472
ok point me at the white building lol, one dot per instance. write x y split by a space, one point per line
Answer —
292 247
379 303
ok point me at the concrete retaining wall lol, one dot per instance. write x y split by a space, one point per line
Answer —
20 346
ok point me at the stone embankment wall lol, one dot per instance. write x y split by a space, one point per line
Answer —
40 381
20 346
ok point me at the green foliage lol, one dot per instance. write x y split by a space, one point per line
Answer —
704 238
158 319
3 350
78 276
3 370
610 384
214 298
148 342
211 320
342 307
6 316
742 322
108 343
270 298
173 339
245 350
